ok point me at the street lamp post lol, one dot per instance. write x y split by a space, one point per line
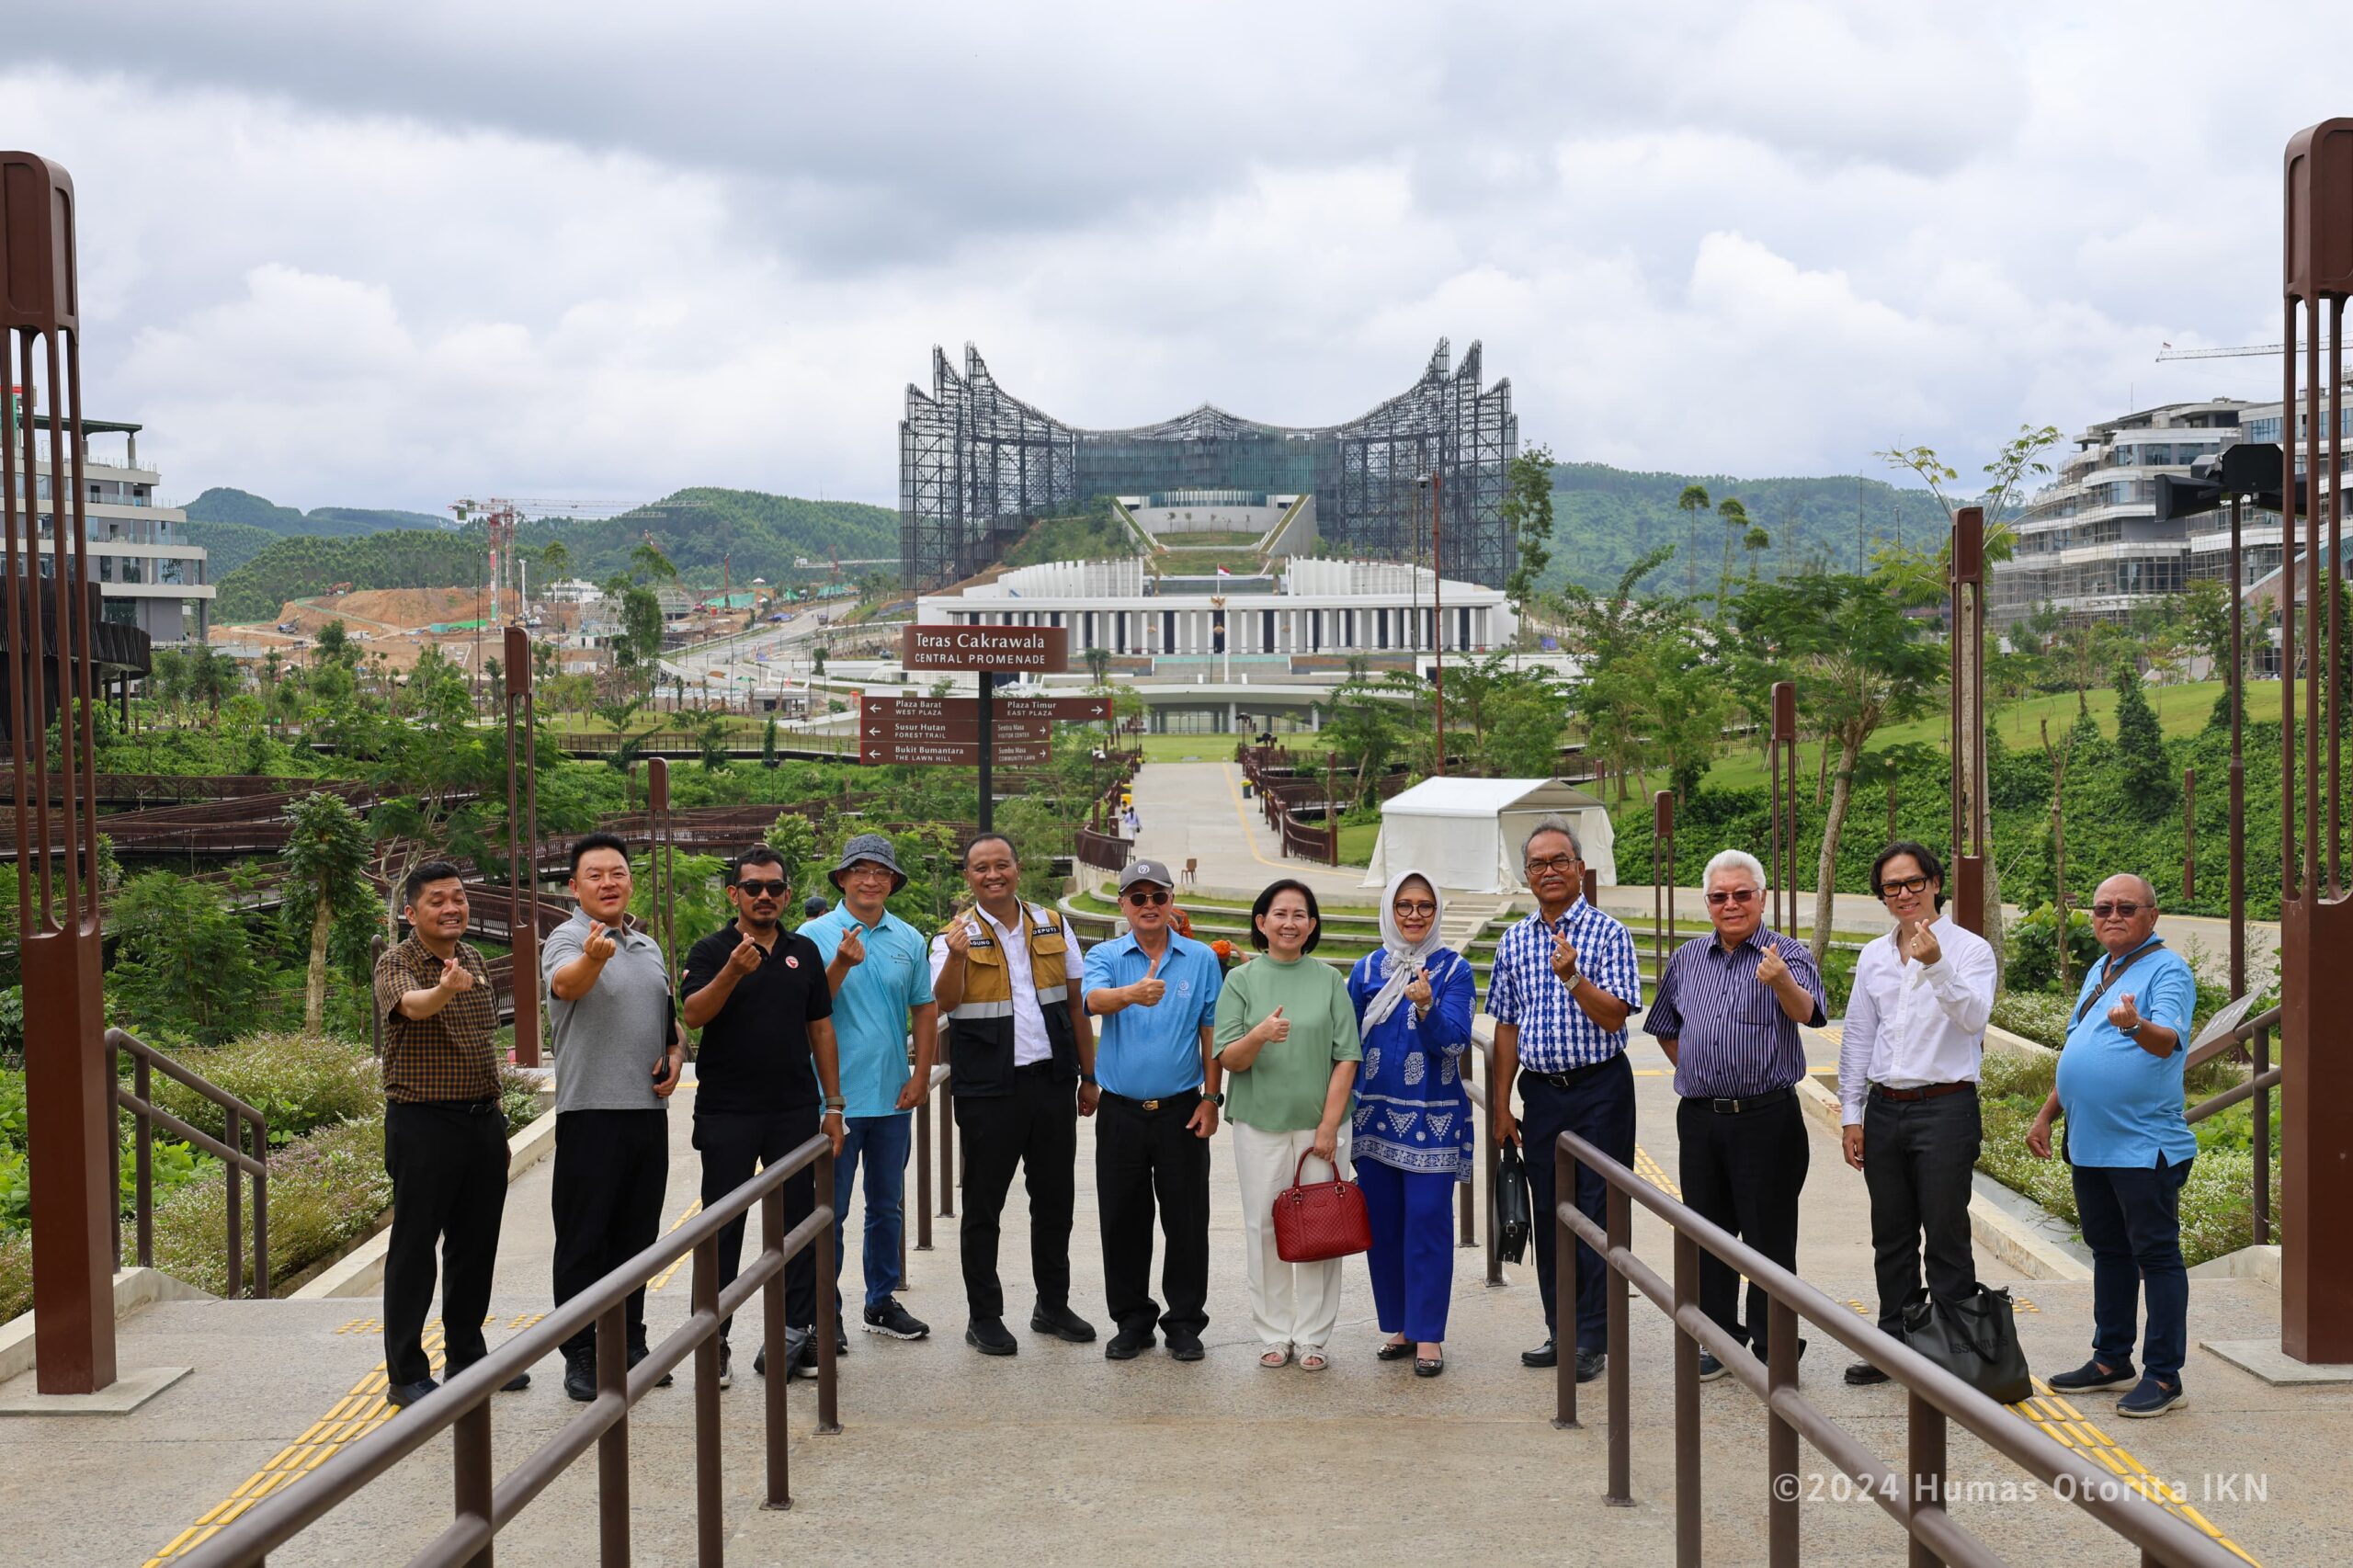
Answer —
1438 614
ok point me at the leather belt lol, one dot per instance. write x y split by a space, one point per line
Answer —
1724 1106
1924 1092
1575 1075
1172 1102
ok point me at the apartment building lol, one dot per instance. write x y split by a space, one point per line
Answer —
2090 544
149 575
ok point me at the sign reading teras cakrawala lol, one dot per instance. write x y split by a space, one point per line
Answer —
1040 649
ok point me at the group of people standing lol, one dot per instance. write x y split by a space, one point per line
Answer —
1322 1073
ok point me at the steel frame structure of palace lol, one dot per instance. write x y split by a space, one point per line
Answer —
978 465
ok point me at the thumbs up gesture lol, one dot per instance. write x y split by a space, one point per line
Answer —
1274 1026
1418 990
598 947
2124 1015
1151 988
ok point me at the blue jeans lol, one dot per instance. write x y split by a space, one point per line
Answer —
2131 1220
881 1144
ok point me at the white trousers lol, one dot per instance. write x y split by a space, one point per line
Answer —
1290 1303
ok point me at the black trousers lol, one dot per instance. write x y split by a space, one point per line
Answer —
733 1148
1144 1158
1598 1105
1745 1171
448 1162
1035 1127
1917 1155
611 1170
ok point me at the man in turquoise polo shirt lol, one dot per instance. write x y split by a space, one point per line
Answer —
2119 1091
880 976
1156 994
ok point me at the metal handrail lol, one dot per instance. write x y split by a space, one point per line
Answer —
1491 1158
922 1162
146 1116
1914 1496
2258 1086
486 1505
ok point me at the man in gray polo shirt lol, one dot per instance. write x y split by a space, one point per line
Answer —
618 1055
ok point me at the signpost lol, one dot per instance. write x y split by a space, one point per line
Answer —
961 731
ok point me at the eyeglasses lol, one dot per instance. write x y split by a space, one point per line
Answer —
761 889
1556 863
2122 910
1140 899
1908 884
1735 896
1403 908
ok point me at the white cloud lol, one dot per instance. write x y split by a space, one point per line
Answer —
394 257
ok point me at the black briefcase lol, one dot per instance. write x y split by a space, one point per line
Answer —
1976 1338
1513 1206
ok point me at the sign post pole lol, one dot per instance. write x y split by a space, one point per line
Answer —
986 733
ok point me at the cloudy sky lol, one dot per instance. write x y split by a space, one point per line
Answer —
389 255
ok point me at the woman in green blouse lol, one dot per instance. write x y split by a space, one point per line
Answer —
1287 1039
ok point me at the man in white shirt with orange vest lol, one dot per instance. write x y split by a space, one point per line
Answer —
1908 1086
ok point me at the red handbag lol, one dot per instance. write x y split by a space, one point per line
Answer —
1325 1220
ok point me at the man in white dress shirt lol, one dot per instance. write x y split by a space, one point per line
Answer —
1908 1086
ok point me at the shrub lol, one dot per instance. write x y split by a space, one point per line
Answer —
2034 948
16 1275
326 1190
2038 1015
298 1083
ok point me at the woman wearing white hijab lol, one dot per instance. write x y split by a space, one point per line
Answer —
1412 1136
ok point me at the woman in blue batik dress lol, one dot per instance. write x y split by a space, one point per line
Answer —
1412 1136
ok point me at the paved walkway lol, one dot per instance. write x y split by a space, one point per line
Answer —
1058 1455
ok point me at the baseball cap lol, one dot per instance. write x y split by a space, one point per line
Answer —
1145 871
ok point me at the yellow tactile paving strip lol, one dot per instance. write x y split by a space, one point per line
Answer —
2073 1430
659 1280
1651 1171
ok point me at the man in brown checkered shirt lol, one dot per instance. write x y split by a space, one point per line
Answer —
445 1139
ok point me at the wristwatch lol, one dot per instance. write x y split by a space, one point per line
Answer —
1088 1079
836 1102
2134 1032
1217 1099
1570 979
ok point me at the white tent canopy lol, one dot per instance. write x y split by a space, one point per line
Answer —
1467 832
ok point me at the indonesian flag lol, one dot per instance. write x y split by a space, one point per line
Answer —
1223 572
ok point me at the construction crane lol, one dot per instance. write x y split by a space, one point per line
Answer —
499 517
2167 351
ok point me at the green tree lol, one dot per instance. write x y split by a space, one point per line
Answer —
555 561
767 743
1365 726
183 963
1528 519
1692 503
1737 524
335 645
2149 783
327 850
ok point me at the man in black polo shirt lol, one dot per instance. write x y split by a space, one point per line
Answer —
758 995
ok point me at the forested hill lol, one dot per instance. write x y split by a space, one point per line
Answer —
235 525
1605 518
760 535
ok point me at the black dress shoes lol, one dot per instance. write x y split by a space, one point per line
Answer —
1062 1323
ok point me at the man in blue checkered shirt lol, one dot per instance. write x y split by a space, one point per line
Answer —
1563 983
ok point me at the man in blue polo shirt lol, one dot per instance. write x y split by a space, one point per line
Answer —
880 978
1564 982
2119 1092
1156 994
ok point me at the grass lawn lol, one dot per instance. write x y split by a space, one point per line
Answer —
1219 748
1355 842
2181 710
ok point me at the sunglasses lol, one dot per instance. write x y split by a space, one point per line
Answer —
1732 895
1909 884
762 890
2125 911
1141 899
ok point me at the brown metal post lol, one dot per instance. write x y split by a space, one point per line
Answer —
469 1460
612 1444
1332 803
2238 762
1687 1406
947 1145
2262 1141
261 1204
1782 757
1620 1230
1925 1443
523 844
777 1433
1780 1437
1564 1287
70 1131
1468 1218
1662 881
828 1409
710 1520
1966 749
2316 920
923 1181
661 859
2190 835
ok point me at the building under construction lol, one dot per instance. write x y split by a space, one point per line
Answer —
978 465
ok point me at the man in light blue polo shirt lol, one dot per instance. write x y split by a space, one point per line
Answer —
2119 1092
1156 994
881 977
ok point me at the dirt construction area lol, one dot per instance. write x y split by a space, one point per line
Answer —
395 622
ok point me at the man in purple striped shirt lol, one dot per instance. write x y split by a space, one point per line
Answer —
1727 1013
